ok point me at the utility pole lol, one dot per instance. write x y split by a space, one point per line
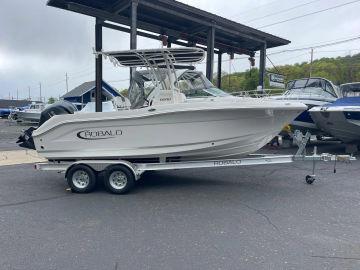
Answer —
29 93
17 93
67 82
40 91
311 61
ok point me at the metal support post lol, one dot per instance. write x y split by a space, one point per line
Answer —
262 66
98 66
210 53
219 70
133 29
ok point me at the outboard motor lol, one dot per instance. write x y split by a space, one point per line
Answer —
61 107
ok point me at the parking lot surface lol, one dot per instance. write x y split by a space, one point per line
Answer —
260 217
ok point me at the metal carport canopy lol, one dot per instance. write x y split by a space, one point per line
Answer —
177 21
173 23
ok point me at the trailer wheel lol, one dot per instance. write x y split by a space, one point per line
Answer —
119 179
81 179
310 179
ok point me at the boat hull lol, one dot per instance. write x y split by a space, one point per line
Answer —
33 117
304 122
181 132
342 123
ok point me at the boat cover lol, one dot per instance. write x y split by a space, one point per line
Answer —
348 101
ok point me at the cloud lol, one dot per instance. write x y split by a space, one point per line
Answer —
41 43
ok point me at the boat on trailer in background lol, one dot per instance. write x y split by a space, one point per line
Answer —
341 119
30 115
313 92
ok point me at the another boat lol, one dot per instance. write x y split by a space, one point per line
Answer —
116 104
163 124
341 119
312 92
29 115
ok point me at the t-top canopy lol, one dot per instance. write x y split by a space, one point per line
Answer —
146 58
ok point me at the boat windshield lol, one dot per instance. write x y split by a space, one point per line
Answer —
194 84
350 90
142 85
312 87
36 106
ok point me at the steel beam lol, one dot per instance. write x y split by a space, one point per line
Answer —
210 53
120 6
98 13
195 19
152 36
98 66
262 66
219 70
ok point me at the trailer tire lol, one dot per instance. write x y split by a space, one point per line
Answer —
81 179
119 179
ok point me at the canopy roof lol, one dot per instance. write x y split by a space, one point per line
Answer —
144 58
178 21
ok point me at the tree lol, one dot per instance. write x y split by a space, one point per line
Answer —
339 70
124 92
51 100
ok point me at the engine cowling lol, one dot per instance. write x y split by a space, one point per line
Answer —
58 108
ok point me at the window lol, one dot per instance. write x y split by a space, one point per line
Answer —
299 84
330 89
314 83
350 90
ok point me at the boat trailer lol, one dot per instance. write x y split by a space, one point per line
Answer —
121 175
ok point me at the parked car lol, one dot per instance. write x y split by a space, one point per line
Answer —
4 113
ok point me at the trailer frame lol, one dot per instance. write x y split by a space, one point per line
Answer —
128 172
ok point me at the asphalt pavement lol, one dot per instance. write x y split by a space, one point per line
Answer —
259 217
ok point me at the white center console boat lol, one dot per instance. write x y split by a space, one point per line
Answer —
163 124
177 120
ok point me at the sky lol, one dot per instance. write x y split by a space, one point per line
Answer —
40 44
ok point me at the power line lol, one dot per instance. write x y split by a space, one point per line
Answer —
328 41
308 14
344 50
247 10
318 46
282 11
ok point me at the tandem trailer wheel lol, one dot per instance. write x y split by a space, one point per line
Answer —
310 179
81 179
119 179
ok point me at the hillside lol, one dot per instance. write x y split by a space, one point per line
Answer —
339 70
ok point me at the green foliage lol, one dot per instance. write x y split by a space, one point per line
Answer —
51 100
125 92
338 70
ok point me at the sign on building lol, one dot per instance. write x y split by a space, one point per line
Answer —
276 80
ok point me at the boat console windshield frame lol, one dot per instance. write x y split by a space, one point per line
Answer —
163 70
